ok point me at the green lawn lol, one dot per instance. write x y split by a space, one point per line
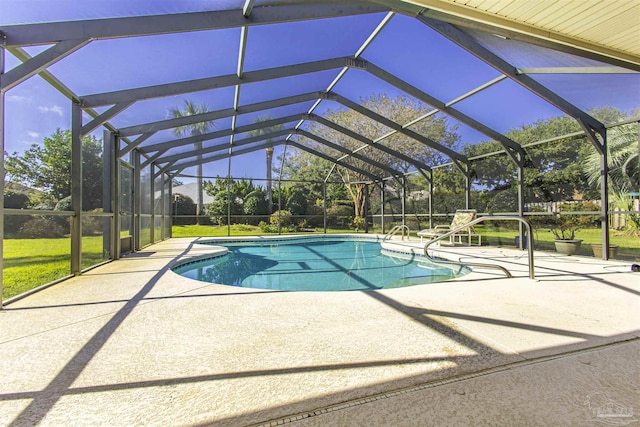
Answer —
29 263
629 245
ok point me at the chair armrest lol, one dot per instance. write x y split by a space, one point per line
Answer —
446 227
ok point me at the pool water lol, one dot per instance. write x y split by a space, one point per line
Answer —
315 265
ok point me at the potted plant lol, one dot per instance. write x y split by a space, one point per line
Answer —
597 250
566 225
564 232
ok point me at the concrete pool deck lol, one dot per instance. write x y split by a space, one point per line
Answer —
132 343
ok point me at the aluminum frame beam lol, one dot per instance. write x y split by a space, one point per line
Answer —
218 114
224 146
76 188
135 143
334 161
40 62
575 70
395 126
443 107
319 119
224 156
248 6
47 76
104 117
2 173
208 83
109 28
466 42
217 134
393 172
358 53
419 165
272 144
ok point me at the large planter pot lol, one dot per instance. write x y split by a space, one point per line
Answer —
597 250
568 247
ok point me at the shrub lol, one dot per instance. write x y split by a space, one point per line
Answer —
564 226
184 208
297 203
340 215
358 223
285 218
13 223
255 204
267 228
218 209
92 225
44 227
15 200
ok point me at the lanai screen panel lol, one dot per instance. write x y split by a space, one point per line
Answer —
587 83
415 53
21 12
274 46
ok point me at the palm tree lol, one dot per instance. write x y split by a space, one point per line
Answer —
199 128
269 153
622 147
624 170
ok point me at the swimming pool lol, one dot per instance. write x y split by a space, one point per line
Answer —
315 264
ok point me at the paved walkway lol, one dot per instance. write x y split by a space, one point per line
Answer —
131 343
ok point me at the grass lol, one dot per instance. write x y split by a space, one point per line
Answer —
29 263
544 240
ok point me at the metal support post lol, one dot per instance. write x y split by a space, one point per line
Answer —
229 193
430 198
107 192
171 200
163 199
324 206
279 205
467 186
521 227
137 202
116 188
366 208
604 196
152 202
382 207
404 197
76 188
2 150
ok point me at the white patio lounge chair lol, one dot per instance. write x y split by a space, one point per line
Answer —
461 217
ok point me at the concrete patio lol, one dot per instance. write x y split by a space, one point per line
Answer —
132 343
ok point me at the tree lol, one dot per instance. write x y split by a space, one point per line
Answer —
400 109
297 203
47 167
184 209
255 205
622 150
192 109
269 155
228 193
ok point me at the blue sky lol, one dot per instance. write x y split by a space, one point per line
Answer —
405 47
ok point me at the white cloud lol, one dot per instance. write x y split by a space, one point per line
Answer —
54 109
18 98
33 134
